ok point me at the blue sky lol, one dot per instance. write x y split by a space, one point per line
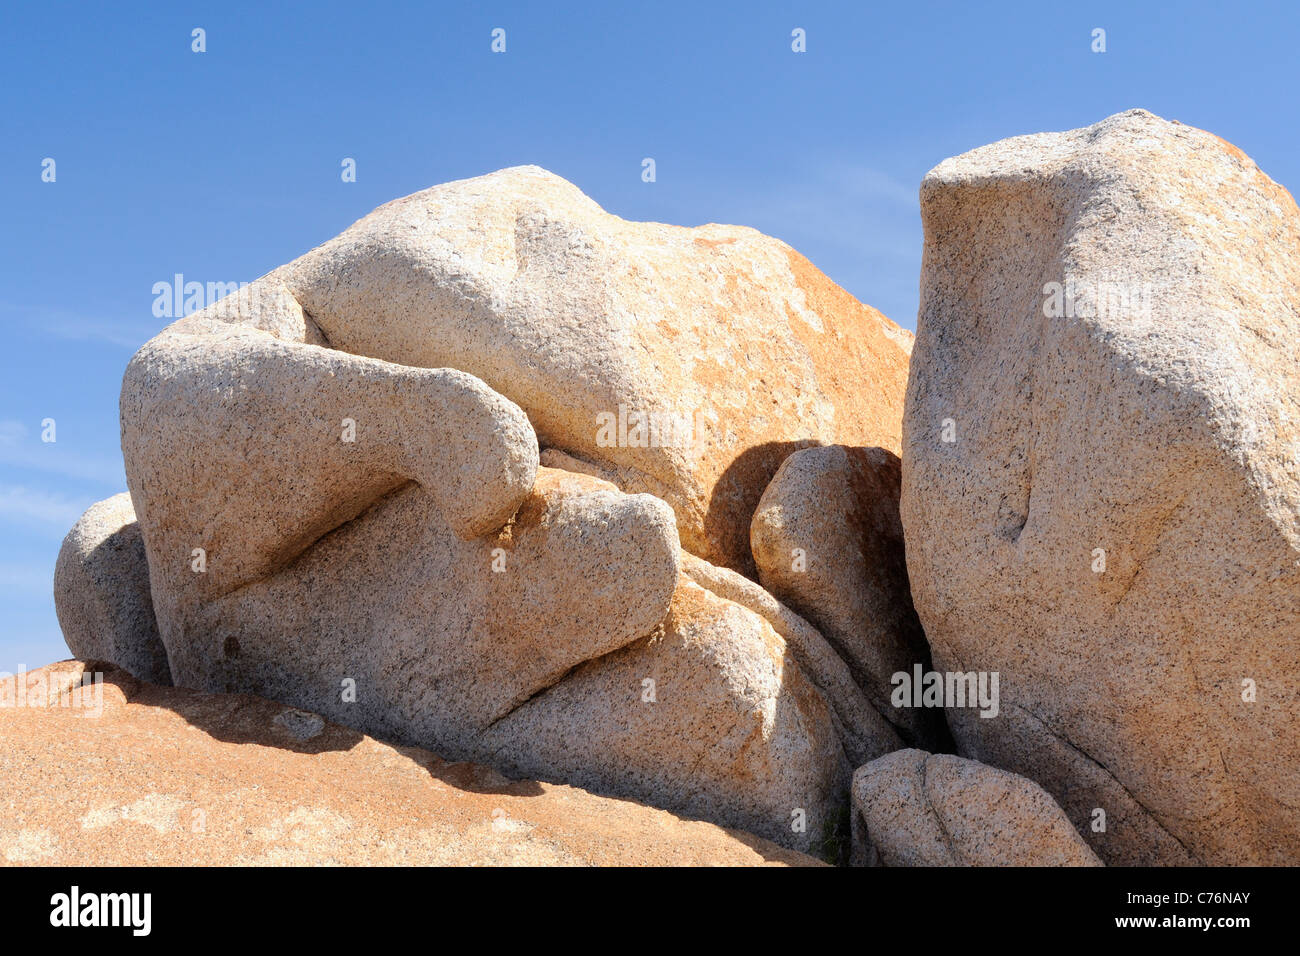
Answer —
224 164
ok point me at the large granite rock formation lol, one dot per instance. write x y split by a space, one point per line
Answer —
344 482
1101 479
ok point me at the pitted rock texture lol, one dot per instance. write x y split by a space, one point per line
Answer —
711 716
251 447
828 542
243 785
864 733
338 484
912 808
530 649
101 592
1101 494
573 314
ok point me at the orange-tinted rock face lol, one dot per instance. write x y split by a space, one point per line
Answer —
684 362
163 776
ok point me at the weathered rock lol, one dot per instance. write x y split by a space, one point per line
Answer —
101 592
828 542
710 716
329 508
529 649
572 313
912 808
171 777
294 440
1115 525
442 636
864 733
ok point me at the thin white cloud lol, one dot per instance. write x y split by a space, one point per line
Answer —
861 210
74 327
20 449
32 506
82 330
11 432
863 183
24 579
